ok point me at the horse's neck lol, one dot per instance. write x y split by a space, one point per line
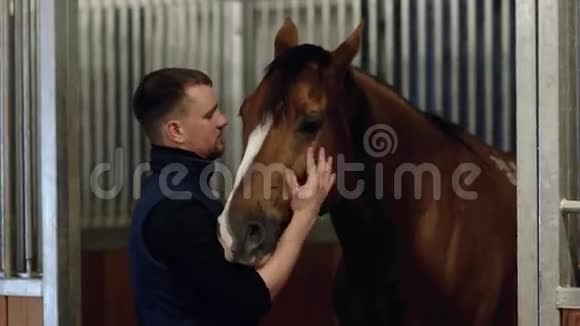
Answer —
366 220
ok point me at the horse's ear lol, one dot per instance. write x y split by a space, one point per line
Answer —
348 49
286 38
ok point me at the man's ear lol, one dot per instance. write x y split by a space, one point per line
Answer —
172 130
343 55
286 38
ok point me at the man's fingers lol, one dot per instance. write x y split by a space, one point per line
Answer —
310 166
331 181
321 159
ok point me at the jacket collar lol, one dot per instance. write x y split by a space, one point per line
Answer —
170 160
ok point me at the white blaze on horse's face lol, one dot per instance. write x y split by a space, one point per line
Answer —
255 142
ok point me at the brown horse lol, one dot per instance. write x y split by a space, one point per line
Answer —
424 211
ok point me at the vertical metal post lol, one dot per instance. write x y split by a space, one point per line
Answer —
98 109
110 129
124 114
438 20
472 77
85 109
405 48
58 145
527 158
389 35
6 176
233 62
551 81
489 69
506 55
373 37
27 112
420 78
455 37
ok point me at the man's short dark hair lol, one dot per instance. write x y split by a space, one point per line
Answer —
160 93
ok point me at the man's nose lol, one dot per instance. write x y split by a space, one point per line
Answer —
223 120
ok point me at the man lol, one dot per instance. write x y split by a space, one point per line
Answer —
180 275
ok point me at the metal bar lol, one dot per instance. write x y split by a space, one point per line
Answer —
21 288
527 159
421 54
172 15
215 42
506 79
341 21
567 104
549 159
205 35
140 58
454 16
159 35
98 109
389 33
18 135
325 9
233 63
183 32
149 54
6 159
26 140
261 29
577 106
568 298
438 49
471 66
108 219
373 37
193 32
570 206
489 69
405 48
121 159
310 26
295 13
85 109
34 135
356 20
59 188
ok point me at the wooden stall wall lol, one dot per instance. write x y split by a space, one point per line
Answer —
306 300
570 317
20 311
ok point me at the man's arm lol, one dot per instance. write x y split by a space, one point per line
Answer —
183 236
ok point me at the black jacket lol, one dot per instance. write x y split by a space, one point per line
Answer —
196 284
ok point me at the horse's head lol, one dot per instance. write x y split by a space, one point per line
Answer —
301 101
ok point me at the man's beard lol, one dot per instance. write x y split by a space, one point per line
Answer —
217 153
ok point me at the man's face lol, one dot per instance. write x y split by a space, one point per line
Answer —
203 122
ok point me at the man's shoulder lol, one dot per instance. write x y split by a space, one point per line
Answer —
190 211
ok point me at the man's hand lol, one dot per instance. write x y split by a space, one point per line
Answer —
305 201
308 198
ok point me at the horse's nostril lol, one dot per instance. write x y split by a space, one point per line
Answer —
255 234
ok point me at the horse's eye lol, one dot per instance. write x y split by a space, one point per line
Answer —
309 125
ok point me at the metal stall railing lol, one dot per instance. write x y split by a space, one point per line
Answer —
20 227
39 237
548 152
417 46
119 42
454 58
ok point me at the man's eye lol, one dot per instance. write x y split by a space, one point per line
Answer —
310 125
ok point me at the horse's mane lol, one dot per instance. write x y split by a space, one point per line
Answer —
450 129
